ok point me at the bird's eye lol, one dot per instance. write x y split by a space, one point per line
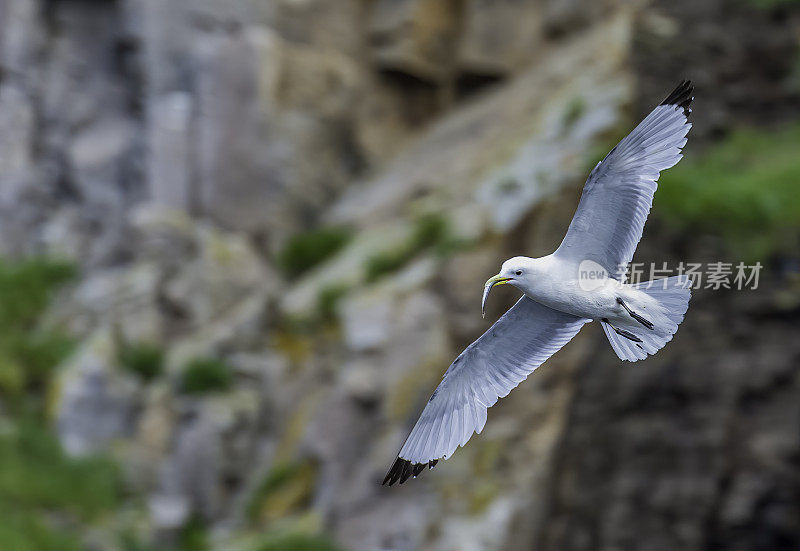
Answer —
518 272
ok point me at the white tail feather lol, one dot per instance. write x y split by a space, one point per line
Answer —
672 295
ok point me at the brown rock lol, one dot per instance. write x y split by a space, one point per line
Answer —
499 36
416 37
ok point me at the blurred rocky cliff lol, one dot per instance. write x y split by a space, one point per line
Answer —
282 213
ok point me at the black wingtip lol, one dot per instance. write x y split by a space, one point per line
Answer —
681 96
395 471
403 469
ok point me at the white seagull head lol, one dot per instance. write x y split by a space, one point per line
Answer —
517 271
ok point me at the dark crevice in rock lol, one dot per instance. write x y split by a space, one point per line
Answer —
470 83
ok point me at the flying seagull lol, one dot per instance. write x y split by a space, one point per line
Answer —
581 282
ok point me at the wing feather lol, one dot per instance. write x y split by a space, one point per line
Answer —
521 340
618 194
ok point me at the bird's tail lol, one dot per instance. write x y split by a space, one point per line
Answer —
635 340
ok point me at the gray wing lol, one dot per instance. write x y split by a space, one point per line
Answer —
519 342
619 192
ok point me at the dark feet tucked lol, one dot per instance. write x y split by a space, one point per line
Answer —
644 321
622 333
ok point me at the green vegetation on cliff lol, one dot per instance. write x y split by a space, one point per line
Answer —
286 489
27 353
144 359
744 189
45 496
296 542
203 375
431 232
304 251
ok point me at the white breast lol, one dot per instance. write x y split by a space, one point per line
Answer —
555 283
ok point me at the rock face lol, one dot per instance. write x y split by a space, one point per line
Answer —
415 37
498 37
724 455
172 149
96 402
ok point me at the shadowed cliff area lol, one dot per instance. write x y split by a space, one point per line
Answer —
241 241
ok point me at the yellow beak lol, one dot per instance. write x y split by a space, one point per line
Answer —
491 282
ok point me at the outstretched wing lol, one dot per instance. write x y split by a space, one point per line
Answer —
519 342
619 192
